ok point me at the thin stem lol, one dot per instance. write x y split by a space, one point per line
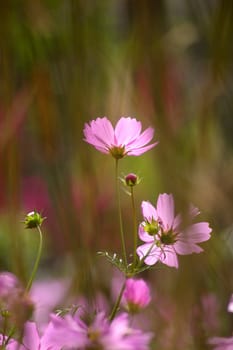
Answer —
120 217
135 233
36 264
116 306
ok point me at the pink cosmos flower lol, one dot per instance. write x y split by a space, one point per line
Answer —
136 295
72 333
164 235
125 139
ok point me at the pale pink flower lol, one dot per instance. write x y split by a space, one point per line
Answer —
125 139
136 295
164 235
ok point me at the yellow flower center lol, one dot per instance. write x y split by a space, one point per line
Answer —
152 227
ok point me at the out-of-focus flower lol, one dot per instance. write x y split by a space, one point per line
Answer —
221 343
136 295
230 304
64 332
11 293
164 236
15 306
9 284
46 302
125 139
11 345
71 332
210 313
31 340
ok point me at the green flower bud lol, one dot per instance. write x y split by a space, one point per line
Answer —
33 219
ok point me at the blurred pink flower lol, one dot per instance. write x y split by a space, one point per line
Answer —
46 302
9 285
163 235
136 295
220 343
209 314
230 304
71 332
125 139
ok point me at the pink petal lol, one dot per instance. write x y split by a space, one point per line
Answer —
103 130
221 343
168 257
230 304
193 211
148 211
139 151
184 248
196 233
153 256
141 140
165 210
91 138
102 149
31 337
144 236
177 222
99 133
126 130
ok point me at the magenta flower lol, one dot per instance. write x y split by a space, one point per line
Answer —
136 295
220 343
125 139
164 235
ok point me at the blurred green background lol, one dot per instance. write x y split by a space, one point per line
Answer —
166 63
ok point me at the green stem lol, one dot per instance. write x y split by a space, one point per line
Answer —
120 217
116 306
135 233
36 264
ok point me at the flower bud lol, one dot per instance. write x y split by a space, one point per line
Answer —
136 295
131 179
33 219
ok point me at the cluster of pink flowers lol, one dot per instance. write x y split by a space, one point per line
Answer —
71 331
161 231
163 237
